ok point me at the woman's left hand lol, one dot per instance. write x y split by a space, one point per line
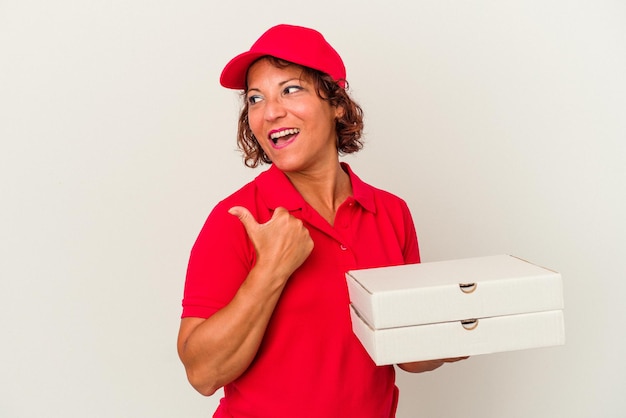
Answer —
428 365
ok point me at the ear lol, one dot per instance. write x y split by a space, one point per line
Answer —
339 112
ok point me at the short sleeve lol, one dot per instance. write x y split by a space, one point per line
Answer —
411 247
220 261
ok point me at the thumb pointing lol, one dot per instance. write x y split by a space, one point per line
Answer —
244 215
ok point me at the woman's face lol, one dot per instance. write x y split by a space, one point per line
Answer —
294 126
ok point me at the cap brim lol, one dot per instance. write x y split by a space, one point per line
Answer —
234 73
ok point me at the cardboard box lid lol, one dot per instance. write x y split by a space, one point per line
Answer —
442 291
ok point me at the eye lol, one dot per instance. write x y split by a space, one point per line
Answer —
292 89
253 99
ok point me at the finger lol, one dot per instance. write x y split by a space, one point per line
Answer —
246 218
279 211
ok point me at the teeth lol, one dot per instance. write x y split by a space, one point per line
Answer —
286 132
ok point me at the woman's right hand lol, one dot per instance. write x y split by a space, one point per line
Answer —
281 244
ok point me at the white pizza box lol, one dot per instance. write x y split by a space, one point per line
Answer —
460 338
479 287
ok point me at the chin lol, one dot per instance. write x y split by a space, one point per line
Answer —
287 165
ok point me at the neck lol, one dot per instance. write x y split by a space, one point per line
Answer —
324 190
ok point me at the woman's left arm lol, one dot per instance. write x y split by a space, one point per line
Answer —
411 255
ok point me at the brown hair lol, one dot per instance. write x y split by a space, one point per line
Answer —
349 126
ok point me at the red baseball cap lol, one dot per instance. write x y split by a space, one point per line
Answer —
296 44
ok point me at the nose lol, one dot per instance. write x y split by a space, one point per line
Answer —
274 109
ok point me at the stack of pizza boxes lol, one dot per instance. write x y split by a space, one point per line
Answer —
455 308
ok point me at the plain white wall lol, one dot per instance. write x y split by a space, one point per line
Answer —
501 123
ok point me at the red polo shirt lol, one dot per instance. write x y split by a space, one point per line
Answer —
309 364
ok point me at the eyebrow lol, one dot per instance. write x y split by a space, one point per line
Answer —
282 83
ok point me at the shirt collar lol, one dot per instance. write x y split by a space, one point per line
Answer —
277 191
362 192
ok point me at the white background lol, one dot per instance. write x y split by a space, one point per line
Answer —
501 123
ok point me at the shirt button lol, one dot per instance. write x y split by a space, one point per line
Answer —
343 247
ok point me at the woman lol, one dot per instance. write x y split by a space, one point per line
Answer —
266 309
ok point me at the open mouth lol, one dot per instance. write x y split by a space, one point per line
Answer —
283 136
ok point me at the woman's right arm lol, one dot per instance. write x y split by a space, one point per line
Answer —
217 350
